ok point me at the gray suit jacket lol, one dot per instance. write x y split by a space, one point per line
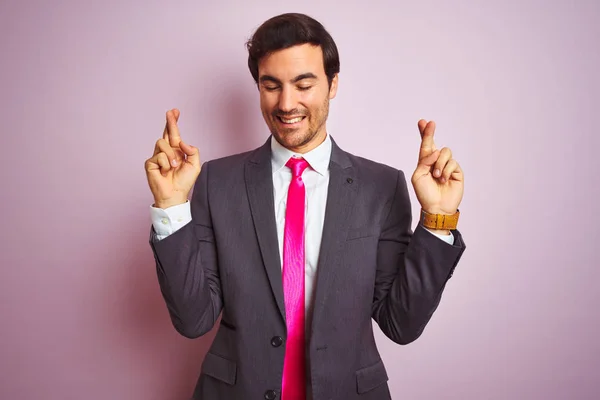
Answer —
371 265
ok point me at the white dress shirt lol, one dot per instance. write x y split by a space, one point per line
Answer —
316 182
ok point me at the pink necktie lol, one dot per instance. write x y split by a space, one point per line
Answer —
294 381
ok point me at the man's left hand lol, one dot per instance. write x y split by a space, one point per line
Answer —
438 179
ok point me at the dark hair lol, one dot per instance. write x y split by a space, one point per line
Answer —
287 30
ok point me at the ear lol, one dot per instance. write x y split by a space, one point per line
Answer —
333 87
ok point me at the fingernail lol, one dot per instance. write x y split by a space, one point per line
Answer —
436 172
174 162
443 180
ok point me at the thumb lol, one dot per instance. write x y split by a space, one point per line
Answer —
429 160
425 164
192 153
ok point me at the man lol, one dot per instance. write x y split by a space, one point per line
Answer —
299 244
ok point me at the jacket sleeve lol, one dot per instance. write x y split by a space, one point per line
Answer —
187 267
412 271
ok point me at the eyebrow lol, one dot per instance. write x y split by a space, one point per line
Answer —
269 78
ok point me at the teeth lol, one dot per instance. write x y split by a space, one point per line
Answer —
291 121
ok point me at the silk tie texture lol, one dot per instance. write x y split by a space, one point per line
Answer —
294 373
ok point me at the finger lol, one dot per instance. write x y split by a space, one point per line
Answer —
166 130
454 171
425 164
162 146
192 153
173 130
445 156
427 144
430 159
159 162
448 170
163 161
421 124
151 164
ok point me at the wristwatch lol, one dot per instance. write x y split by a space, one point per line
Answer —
439 221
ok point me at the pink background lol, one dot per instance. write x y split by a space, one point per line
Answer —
513 87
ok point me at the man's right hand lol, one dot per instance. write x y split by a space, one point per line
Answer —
174 167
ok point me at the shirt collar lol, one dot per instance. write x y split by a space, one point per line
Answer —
318 158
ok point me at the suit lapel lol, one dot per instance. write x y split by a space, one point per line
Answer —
259 186
341 196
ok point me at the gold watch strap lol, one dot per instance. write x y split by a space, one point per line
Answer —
439 221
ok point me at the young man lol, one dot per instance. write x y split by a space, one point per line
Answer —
299 244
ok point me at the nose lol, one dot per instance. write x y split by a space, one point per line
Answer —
287 99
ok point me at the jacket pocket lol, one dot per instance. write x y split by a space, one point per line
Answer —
227 324
219 368
370 377
357 233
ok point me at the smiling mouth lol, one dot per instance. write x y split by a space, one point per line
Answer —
291 121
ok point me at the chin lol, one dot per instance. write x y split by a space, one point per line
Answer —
291 139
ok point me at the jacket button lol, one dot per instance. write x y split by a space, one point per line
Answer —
270 395
276 341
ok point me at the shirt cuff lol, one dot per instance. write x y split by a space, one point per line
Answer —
446 238
169 220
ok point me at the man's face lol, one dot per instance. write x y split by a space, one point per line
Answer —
294 96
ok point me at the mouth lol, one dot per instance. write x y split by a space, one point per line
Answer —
291 122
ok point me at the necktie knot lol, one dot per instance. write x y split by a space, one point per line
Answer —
297 165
